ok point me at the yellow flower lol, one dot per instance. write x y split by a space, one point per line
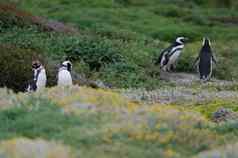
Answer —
169 153
158 126
132 106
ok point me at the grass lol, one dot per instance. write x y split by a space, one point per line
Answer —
127 36
20 148
103 123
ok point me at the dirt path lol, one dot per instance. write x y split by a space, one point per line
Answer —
187 89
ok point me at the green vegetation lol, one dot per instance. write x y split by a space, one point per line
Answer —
103 123
118 40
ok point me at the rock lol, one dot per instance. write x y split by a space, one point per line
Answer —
224 114
83 81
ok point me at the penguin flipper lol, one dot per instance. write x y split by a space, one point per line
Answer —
158 61
164 52
195 63
214 59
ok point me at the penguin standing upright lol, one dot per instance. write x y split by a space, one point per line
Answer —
39 77
64 74
169 56
205 61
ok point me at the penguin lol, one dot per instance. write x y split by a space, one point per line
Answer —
205 60
39 77
64 74
169 56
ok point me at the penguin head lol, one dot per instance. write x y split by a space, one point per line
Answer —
206 42
181 40
67 64
36 64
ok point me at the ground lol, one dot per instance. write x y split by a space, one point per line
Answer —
133 110
81 121
185 87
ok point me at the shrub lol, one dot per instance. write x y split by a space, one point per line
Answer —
11 16
121 74
15 68
97 53
128 75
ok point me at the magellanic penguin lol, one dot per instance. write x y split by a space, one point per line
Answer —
64 74
169 56
205 60
39 77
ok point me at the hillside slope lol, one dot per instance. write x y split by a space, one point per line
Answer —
147 114
117 41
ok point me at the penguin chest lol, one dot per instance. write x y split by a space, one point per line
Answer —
41 79
205 66
174 57
64 78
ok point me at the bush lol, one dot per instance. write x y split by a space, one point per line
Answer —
15 67
129 75
10 16
94 52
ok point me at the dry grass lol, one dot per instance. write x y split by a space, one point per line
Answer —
26 148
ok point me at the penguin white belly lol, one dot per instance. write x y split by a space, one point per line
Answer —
41 80
64 78
174 57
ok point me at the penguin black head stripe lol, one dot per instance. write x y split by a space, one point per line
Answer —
181 40
67 64
36 64
39 77
206 45
64 74
169 56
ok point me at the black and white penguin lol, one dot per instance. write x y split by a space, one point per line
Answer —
205 60
64 74
169 56
39 77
